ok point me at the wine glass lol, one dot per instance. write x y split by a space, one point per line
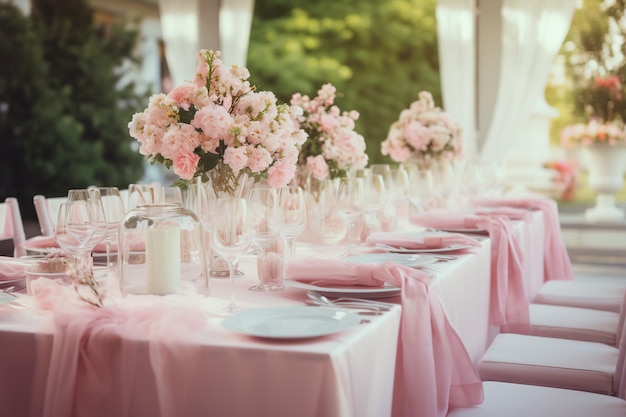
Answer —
292 215
231 237
265 230
350 203
114 211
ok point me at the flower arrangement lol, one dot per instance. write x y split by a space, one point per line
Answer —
423 134
601 98
220 122
594 131
566 178
333 147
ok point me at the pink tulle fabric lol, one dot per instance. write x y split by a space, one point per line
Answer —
423 241
508 300
557 264
91 361
434 371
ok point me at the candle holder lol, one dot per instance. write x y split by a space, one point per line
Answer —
160 248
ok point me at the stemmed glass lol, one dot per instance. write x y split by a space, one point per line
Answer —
265 229
292 215
231 237
350 203
77 233
114 211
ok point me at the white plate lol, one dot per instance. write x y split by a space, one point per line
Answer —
405 259
449 248
6 298
296 322
354 291
463 230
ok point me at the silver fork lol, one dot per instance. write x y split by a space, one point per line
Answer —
9 291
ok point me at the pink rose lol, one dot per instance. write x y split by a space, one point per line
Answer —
280 174
185 165
236 158
317 166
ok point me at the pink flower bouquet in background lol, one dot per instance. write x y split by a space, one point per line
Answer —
333 147
595 131
423 134
219 121
566 178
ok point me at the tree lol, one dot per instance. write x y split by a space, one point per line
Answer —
379 55
65 117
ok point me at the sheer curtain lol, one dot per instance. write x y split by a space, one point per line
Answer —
191 25
457 56
532 34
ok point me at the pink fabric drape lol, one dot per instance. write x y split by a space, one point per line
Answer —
91 359
11 268
557 264
416 241
508 300
434 371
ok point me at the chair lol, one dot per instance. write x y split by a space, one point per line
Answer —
12 226
574 323
560 363
516 400
584 294
47 210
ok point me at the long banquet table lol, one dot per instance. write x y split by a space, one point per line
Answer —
226 374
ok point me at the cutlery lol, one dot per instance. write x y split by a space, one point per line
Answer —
365 310
347 301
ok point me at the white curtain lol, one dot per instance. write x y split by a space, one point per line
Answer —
191 25
532 34
457 57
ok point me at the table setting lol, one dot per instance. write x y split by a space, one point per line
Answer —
279 275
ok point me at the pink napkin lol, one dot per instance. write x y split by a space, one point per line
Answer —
434 371
557 264
508 301
41 242
420 241
510 212
11 268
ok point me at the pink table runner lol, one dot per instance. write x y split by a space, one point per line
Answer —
557 264
508 299
434 371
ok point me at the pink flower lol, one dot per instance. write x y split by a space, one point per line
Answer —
280 174
236 158
185 165
417 135
317 166
259 159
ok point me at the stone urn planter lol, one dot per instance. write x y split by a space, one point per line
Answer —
606 165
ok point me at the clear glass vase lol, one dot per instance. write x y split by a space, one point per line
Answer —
161 247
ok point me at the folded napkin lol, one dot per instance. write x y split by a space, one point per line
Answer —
508 301
420 241
11 268
434 371
557 264
510 212
350 273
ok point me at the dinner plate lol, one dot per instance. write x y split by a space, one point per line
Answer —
405 259
6 298
296 322
354 291
449 248
462 230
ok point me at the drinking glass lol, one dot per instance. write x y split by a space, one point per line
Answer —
231 237
265 231
114 211
292 215
141 194
350 203
91 196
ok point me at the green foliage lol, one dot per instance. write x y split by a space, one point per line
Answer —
65 117
590 50
378 55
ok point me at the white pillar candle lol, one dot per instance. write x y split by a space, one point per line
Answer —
163 260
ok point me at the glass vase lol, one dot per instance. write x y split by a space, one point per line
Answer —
222 183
